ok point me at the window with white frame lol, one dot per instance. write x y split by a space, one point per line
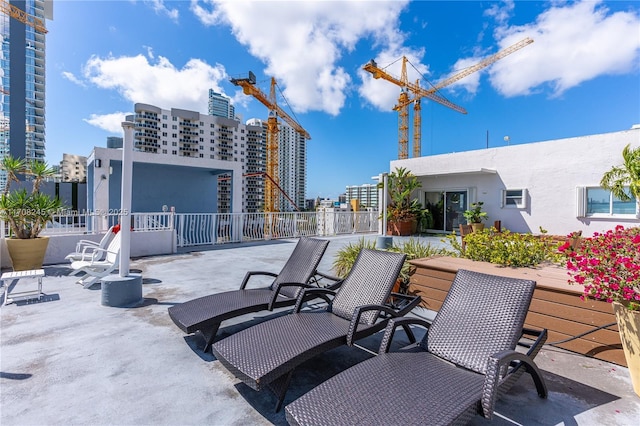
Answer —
514 198
600 202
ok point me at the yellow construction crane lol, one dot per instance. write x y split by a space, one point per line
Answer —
22 16
403 101
271 184
419 92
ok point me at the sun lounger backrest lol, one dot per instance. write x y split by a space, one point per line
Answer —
481 315
114 249
369 282
302 264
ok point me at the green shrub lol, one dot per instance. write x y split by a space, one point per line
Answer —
413 248
506 248
346 256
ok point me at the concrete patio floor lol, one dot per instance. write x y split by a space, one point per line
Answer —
69 360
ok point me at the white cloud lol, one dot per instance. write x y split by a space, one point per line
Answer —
304 54
112 123
159 83
573 43
72 78
160 8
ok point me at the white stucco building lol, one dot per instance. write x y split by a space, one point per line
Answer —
553 185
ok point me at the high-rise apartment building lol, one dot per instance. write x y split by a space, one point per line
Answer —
73 168
292 167
183 133
367 194
220 105
22 99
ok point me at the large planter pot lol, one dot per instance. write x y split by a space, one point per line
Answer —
402 228
629 328
477 227
27 254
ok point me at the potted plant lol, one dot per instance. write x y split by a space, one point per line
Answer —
27 214
475 216
403 211
607 265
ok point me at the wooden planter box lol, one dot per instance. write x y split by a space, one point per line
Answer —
556 305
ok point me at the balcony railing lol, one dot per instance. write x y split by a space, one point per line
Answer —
196 229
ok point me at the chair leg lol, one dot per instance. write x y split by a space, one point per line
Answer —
410 335
279 386
209 336
91 282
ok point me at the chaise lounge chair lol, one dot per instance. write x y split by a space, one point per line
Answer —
266 354
101 263
205 314
85 248
466 359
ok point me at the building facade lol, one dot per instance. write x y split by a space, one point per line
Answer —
366 195
292 168
73 168
22 99
552 185
183 133
220 105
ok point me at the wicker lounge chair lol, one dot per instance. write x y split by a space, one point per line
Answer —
265 355
205 314
465 361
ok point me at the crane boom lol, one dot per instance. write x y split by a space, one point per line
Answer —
249 88
482 64
22 16
377 72
477 67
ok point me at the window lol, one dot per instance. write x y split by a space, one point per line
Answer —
514 198
600 202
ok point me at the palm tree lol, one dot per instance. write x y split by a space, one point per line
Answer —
12 166
619 178
40 171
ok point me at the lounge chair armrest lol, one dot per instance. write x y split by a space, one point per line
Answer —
539 337
403 303
80 244
312 293
92 254
497 363
279 287
394 323
335 281
357 314
249 274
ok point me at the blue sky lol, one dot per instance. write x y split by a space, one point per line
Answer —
581 75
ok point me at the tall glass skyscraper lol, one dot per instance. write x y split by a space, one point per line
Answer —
220 105
22 99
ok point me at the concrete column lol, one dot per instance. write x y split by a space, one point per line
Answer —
124 289
125 198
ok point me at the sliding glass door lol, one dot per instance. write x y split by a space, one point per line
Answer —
447 208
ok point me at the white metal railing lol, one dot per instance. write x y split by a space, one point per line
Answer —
71 223
193 229
219 228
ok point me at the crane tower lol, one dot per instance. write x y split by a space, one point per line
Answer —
271 184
